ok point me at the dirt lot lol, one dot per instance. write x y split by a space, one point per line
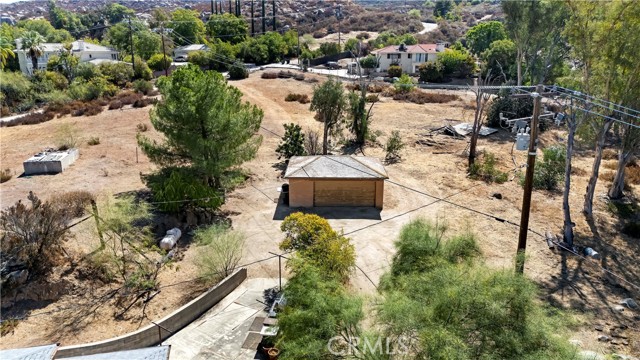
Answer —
424 175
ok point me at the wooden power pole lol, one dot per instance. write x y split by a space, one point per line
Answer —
528 184
164 52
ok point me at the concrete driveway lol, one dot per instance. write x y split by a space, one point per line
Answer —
220 332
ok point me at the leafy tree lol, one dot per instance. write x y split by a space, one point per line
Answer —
252 51
330 48
329 103
6 51
369 62
32 44
63 19
44 28
118 35
480 37
536 29
228 28
292 143
441 302
318 244
415 13
147 43
208 130
499 58
432 71
16 88
32 236
116 13
457 62
318 309
238 71
8 35
65 62
352 45
187 27
359 116
159 62
442 8
275 45
117 73
141 70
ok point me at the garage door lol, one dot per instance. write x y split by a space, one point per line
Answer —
344 193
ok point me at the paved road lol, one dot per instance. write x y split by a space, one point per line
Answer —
220 332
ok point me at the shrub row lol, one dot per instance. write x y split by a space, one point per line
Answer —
269 75
301 98
419 97
31 119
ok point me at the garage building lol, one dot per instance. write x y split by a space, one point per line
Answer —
325 180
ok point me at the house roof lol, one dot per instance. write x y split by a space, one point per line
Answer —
150 353
412 49
335 167
45 352
192 47
76 46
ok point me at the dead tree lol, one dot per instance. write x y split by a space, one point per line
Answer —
572 124
482 98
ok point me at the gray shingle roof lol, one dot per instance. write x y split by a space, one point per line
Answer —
45 352
150 353
335 167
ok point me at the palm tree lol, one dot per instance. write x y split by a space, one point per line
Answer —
32 44
5 52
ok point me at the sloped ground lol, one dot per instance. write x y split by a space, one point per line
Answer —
426 172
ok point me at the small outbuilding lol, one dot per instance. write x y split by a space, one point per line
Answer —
325 180
50 162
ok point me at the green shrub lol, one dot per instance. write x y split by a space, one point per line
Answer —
432 71
394 71
548 173
219 252
393 147
159 62
404 84
372 98
55 98
16 88
486 170
142 86
87 71
141 70
457 62
142 127
117 73
94 140
90 90
49 81
238 72
292 143
510 107
171 186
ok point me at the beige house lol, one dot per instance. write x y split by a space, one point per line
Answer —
85 52
324 180
408 57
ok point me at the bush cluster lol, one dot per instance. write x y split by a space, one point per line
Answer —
269 75
420 97
486 170
301 98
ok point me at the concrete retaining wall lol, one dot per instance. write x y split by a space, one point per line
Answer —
324 59
150 335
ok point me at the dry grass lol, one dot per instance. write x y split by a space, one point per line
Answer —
76 202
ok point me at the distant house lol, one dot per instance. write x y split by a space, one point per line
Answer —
408 57
184 51
86 52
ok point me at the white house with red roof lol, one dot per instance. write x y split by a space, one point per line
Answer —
408 57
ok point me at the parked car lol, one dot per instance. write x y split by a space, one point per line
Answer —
333 65
181 58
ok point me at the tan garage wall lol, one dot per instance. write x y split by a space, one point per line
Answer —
300 193
379 194
344 193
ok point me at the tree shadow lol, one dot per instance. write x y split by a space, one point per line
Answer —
328 212
503 136
281 166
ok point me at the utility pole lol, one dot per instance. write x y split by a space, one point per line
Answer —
133 57
273 14
298 49
264 19
528 184
164 52
252 28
